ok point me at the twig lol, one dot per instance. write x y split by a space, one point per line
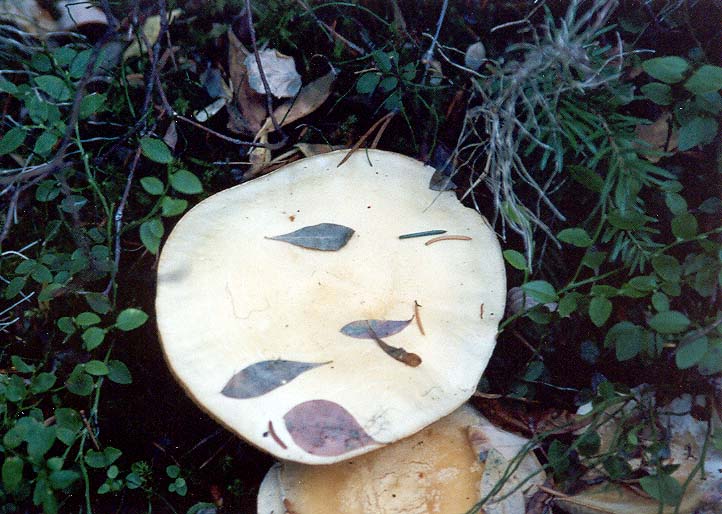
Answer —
266 86
90 430
331 31
429 55
365 137
223 136
118 218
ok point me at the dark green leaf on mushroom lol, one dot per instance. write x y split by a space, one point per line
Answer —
262 377
325 236
325 428
373 328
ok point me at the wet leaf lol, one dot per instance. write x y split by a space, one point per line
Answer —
262 377
373 328
325 236
325 428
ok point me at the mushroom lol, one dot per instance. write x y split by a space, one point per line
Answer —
436 470
290 309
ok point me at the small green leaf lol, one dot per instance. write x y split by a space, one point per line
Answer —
149 238
86 319
42 382
662 488
667 267
367 83
12 139
669 69
130 319
593 259
186 182
118 372
676 203
669 322
541 290
684 226
66 325
98 302
20 365
91 104
14 287
587 177
8 87
660 301
706 79
96 368
600 309
63 478
156 150
172 206
567 305
79 382
711 362
172 471
697 131
691 352
626 220
575 236
53 86
657 92
643 283
80 63
388 84
152 185
383 61
12 473
515 259
93 337
45 143
626 337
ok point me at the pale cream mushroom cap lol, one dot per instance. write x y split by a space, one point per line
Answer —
230 299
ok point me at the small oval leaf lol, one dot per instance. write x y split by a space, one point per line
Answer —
325 236
262 377
322 427
378 328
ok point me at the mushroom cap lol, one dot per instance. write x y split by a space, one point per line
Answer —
251 326
435 470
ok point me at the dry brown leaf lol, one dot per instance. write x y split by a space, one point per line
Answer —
248 110
310 98
27 15
655 135
151 30
309 149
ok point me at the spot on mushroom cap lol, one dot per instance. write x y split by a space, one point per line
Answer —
252 326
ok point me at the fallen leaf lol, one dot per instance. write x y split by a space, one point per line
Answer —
510 477
151 30
475 56
399 354
371 328
210 110
655 136
265 376
248 110
310 98
171 136
28 15
280 72
325 428
325 236
441 182
309 149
